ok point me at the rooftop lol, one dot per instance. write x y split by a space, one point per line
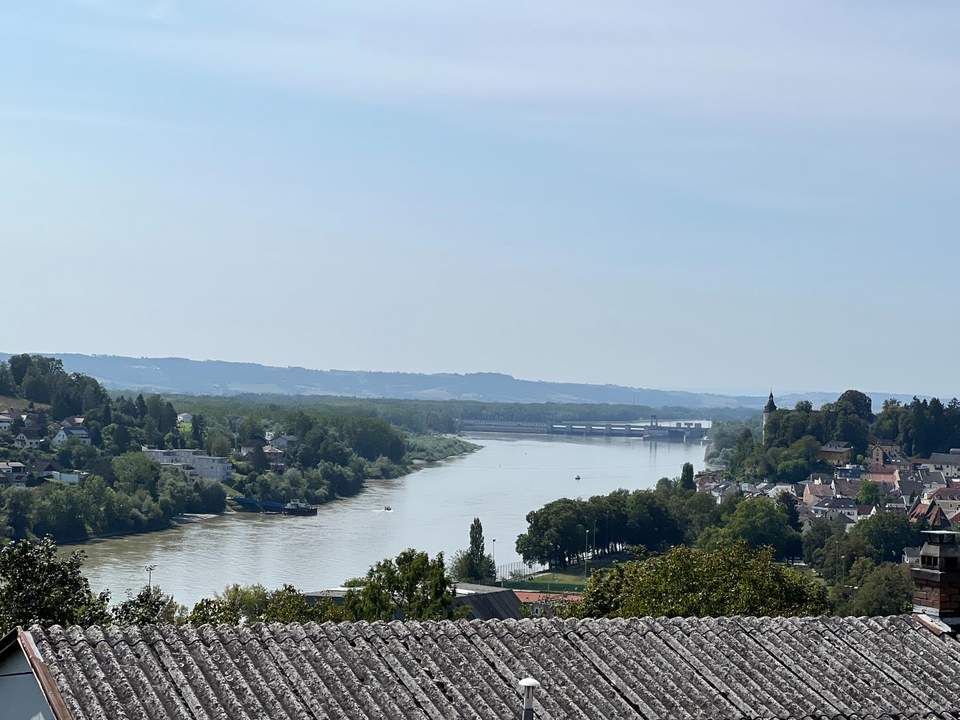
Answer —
706 668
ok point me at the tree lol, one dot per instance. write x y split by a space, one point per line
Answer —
198 429
219 444
686 477
213 611
7 385
258 459
787 502
887 590
733 580
411 587
761 522
885 535
38 586
474 565
148 607
135 471
870 493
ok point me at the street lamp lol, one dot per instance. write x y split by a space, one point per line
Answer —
149 569
586 552
494 541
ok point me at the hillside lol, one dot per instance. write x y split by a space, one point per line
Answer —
215 377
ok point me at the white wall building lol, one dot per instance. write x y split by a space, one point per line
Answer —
205 466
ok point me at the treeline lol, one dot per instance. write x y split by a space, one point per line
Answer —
135 495
793 436
561 532
332 451
860 566
425 416
40 585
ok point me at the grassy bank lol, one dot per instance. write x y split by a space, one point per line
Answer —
433 448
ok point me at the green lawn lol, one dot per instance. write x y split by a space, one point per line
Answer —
575 575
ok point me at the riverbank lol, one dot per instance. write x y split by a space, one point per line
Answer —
431 510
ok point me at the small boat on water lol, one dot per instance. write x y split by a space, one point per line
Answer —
299 507
387 508
577 477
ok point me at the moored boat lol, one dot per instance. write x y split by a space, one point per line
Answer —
299 507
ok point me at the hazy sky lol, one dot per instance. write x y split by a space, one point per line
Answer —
725 195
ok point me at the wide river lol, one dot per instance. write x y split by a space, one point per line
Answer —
431 510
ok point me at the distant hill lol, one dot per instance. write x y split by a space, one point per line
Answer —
215 377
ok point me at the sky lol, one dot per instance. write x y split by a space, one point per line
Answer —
700 195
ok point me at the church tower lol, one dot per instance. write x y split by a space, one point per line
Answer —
768 410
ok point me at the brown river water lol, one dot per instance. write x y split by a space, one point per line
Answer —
430 510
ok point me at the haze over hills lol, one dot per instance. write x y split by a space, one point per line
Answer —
216 377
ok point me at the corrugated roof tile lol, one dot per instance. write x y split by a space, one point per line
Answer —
678 668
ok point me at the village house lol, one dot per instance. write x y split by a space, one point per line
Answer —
833 508
29 438
283 442
71 432
947 498
721 491
13 473
193 462
6 421
814 492
835 452
641 668
68 477
948 463
73 421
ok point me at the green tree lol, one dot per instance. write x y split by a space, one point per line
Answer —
760 522
474 565
887 590
870 493
686 477
148 607
885 535
412 587
38 586
213 611
733 580
787 502
135 471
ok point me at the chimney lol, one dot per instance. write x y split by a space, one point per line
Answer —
936 579
527 686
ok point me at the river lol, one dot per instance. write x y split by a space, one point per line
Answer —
431 510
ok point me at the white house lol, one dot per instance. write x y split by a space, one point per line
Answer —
205 466
947 463
70 477
6 421
67 434
28 438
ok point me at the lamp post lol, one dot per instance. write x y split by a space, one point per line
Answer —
586 552
494 541
149 569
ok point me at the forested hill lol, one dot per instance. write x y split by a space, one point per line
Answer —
213 377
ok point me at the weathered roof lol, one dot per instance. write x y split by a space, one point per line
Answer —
678 668
488 602
835 446
950 458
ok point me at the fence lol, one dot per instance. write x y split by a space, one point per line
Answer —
518 570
